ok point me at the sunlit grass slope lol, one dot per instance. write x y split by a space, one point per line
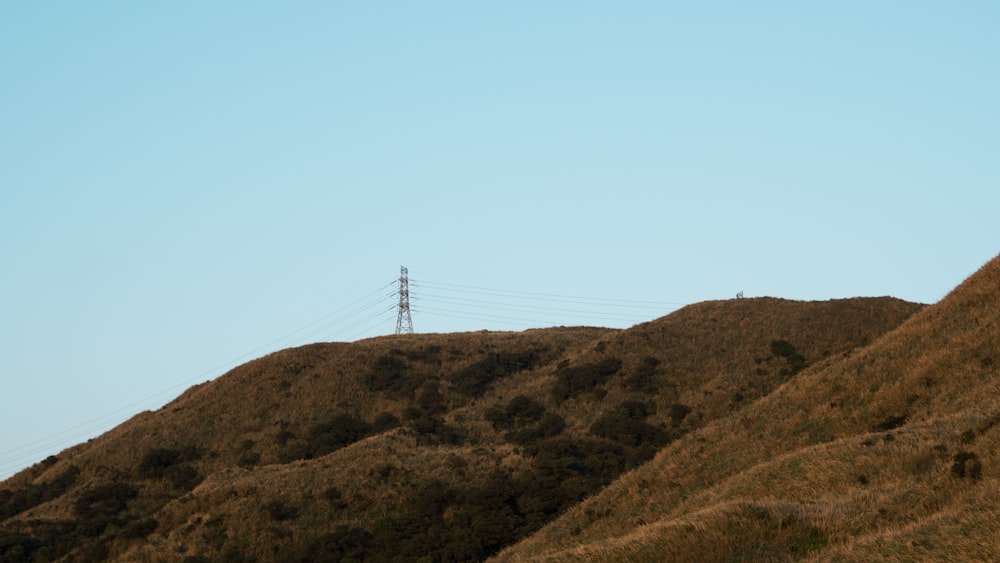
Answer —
453 446
889 453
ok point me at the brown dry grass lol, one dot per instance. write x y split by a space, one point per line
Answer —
809 454
761 470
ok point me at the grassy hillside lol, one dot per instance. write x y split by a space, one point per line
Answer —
889 453
445 446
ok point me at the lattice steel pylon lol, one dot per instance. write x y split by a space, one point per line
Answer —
404 324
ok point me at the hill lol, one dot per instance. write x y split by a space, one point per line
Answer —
889 454
451 446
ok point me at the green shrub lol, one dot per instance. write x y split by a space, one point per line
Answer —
678 413
475 379
431 428
425 417
393 375
94 551
294 451
278 511
101 506
519 412
233 554
574 380
782 348
104 500
809 540
550 424
17 546
345 543
484 518
596 461
442 523
339 431
644 379
333 496
158 461
625 425
139 529
967 464
429 399
17 501
796 361
429 353
890 422
48 541
523 409
184 477
383 422
248 459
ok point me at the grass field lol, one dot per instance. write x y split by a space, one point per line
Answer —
742 430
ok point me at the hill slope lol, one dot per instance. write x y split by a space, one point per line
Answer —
888 454
450 446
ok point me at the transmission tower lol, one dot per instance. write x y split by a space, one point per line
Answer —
404 324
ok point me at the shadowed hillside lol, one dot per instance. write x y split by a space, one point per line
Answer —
887 454
451 446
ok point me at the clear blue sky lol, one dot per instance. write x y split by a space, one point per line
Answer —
185 185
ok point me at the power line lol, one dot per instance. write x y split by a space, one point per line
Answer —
595 314
19 456
369 311
480 316
491 304
544 296
343 318
380 321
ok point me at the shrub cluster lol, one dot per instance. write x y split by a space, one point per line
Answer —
99 508
766 535
384 422
325 437
335 433
345 543
519 412
475 379
548 425
424 417
525 420
644 379
48 541
575 380
429 353
173 465
17 501
795 361
678 412
278 511
392 375
470 523
343 429
248 457
967 464
625 425
102 506
890 422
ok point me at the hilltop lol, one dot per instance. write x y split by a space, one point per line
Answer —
889 454
453 446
